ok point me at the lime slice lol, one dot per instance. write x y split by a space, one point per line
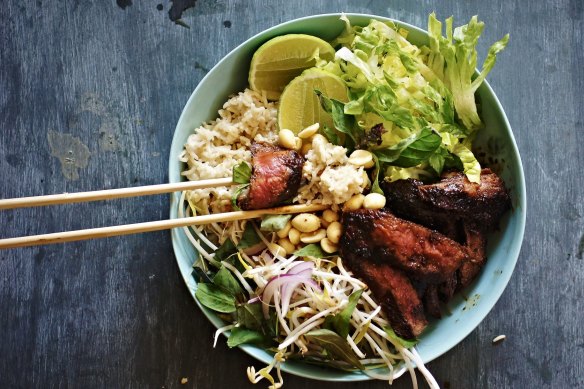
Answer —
281 59
299 106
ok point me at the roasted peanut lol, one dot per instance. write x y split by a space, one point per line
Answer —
313 237
328 246
334 231
283 233
354 203
309 131
306 222
374 201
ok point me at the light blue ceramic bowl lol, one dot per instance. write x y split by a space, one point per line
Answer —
466 312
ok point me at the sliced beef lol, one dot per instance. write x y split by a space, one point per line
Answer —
380 237
448 204
395 292
476 243
432 301
276 175
454 206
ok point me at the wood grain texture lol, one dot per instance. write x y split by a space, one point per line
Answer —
112 83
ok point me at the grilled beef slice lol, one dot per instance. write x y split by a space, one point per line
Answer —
381 237
394 291
276 175
454 206
451 202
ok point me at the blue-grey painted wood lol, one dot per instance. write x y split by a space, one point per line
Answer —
90 92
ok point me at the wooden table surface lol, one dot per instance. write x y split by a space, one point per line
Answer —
90 92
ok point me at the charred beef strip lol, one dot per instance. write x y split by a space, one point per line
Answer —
380 237
276 176
398 298
432 301
448 204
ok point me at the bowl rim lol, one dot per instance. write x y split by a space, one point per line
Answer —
495 294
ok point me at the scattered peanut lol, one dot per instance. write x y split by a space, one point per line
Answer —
328 246
374 201
284 231
309 131
362 158
294 236
313 237
319 139
276 249
287 139
330 216
334 231
305 148
354 202
287 245
306 222
366 179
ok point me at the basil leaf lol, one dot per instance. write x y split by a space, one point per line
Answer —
249 238
274 222
251 316
226 250
311 250
331 135
227 281
215 298
336 347
200 275
343 122
411 151
340 321
407 343
240 335
241 173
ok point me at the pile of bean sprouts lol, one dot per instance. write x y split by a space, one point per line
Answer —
321 287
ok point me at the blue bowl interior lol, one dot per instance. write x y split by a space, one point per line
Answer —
468 308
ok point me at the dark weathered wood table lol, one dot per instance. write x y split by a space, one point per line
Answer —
90 92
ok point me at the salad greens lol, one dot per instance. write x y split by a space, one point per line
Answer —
423 97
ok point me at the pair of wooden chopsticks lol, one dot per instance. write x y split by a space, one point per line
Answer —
103 232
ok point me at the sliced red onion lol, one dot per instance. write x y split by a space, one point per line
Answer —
302 266
274 284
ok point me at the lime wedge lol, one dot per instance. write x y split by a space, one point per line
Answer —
299 106
281 59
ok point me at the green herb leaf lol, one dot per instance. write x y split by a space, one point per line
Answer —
227 281
241 173
249 238
343 123
330 134
215 298
251 316
336 347
240 335
274 222
311 250
201 275
411 151
404 342
340 321
226 250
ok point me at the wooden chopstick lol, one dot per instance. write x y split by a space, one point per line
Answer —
38 201
104 232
